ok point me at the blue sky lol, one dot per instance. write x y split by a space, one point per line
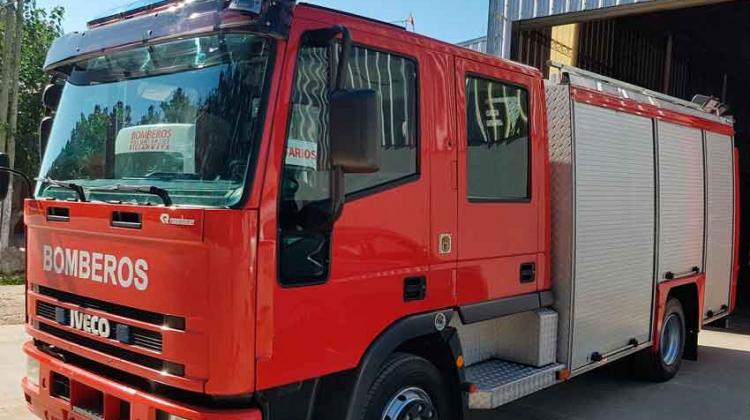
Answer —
448 20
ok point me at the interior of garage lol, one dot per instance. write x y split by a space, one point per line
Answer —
678 51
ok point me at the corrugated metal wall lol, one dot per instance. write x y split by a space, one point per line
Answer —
476 44
623 53
504 12
611 48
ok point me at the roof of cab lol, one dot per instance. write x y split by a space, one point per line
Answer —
315 12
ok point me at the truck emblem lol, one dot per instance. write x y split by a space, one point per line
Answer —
440 321
91 324
445 243
176 221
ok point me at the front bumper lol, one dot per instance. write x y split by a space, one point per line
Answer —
114 398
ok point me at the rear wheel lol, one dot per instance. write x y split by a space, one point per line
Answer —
408 387
664 364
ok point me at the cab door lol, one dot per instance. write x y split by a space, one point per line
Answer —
327 293
499 197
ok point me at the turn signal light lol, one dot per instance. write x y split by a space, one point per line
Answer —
563 375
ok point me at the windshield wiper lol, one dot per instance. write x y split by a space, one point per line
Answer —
144 189
67 185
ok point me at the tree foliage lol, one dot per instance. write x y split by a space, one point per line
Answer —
41 27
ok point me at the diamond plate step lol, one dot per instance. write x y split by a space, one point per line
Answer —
500 382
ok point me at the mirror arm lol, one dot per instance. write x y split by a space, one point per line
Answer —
338 187
338 193
322 37
346 50
29 183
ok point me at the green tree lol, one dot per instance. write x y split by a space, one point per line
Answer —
27 32
178 108
41 27
152 116
84 155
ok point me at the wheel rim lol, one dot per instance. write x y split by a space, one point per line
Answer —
410 404
671 338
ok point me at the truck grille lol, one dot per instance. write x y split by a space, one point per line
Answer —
55 319
130 356
174 322
138 337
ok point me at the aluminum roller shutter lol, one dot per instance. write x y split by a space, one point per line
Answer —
615 226
681 199
719 221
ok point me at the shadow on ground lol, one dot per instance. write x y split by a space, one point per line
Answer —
717 386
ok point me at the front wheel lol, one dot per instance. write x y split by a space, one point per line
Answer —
408 387
663 365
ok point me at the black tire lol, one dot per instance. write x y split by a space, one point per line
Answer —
404 371
663 365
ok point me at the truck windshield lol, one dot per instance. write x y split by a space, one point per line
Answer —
184 116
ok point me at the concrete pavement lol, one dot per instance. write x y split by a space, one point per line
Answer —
716 387
12 369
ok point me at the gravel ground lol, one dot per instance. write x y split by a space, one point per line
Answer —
11 305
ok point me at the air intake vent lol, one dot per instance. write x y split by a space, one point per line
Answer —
174 322
120 353
135 336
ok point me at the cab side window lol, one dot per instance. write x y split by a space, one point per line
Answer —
498 141
305 196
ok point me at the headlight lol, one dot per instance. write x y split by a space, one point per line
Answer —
32 370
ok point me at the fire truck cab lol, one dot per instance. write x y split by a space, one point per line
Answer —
362 223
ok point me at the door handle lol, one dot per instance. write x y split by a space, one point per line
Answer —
528 272
415 288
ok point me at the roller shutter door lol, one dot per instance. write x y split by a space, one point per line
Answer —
615 213
719 221
681 200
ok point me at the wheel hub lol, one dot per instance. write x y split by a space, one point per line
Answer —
670 339
410 404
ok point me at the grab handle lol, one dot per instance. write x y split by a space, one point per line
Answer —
672 276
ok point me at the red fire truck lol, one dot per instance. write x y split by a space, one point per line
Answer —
263 210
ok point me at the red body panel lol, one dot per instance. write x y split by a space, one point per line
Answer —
736 256
383 238
662 293
192 271
142 404
495 238
374 247
627 105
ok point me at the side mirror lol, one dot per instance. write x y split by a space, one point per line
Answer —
45 128
4 175
356 130
51 96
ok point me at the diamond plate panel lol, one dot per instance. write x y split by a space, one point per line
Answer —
529 338
501 382
559 121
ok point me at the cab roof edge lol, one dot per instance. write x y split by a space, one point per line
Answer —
129 10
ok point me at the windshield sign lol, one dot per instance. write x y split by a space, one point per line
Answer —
183 116
155 148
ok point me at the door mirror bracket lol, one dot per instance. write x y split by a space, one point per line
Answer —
354 121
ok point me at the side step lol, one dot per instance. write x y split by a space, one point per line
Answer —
500 382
